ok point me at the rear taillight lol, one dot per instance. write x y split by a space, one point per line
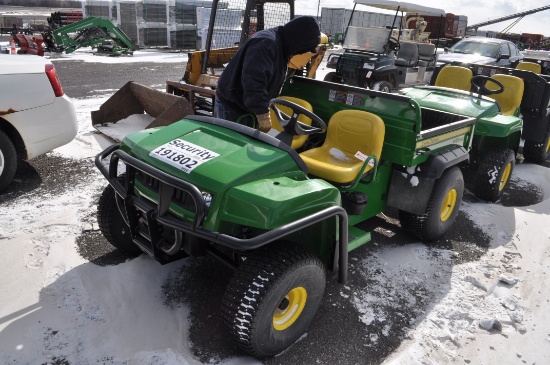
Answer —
52 76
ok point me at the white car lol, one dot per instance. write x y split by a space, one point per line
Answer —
35 115
483 51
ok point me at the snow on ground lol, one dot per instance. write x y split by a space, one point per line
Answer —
86 54
56 305
495 310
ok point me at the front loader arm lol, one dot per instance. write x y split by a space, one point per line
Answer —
91 32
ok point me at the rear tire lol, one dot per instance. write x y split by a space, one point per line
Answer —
272 298
330 77
537 152
112 223
383 86
8 161
493 174
442 208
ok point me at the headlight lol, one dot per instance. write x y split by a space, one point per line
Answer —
207 198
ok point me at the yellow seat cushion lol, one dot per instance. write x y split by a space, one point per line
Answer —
529 66
454 77
348 132
297 141
510 99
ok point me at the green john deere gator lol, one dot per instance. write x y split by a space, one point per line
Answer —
282 208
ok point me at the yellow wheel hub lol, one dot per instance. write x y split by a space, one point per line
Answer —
448 205
548 145
290 308
505 176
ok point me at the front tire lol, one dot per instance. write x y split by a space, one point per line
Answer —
442 208
273 297
493 174
537 152
383 86
8 161
112 223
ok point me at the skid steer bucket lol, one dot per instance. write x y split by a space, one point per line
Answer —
159 108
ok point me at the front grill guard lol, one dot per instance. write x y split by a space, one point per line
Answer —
159 214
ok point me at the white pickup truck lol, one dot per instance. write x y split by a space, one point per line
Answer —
35 114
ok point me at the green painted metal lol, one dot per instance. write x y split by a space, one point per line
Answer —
253 185
492 130
256 187
246 173
457 102
358 238
92 32
406 120
376 192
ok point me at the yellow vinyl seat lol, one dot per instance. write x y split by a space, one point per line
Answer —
454 77
510 99
348 132
297 141
529 66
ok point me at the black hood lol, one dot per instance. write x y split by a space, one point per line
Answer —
300 35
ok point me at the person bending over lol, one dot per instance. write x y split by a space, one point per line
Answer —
256 73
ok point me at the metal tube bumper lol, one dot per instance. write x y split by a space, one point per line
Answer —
168 183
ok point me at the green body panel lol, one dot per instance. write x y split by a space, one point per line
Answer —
357 238
492 130
489 120
240 161
499 126
452 101
256 185
407 124
376 192
271 202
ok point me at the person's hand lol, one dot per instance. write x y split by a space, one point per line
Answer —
264 122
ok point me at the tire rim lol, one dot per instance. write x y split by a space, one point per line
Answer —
448 206
290 308
2 163
505 177
548 145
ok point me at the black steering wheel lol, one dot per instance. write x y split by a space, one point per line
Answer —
393 44
479 83
291 124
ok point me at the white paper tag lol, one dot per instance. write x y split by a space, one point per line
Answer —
183 155
361 156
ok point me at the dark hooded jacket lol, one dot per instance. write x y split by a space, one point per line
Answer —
257 71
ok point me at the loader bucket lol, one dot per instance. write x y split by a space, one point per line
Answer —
134 98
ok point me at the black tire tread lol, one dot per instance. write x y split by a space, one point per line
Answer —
274 261
419 224
109 220
330 76
499 157
10 160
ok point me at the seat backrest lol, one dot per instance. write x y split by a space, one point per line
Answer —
426 49
510 99
455 77
348 132
297 141
426 52
351 131
407 54
530 66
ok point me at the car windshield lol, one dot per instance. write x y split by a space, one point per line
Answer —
370 39
473 47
